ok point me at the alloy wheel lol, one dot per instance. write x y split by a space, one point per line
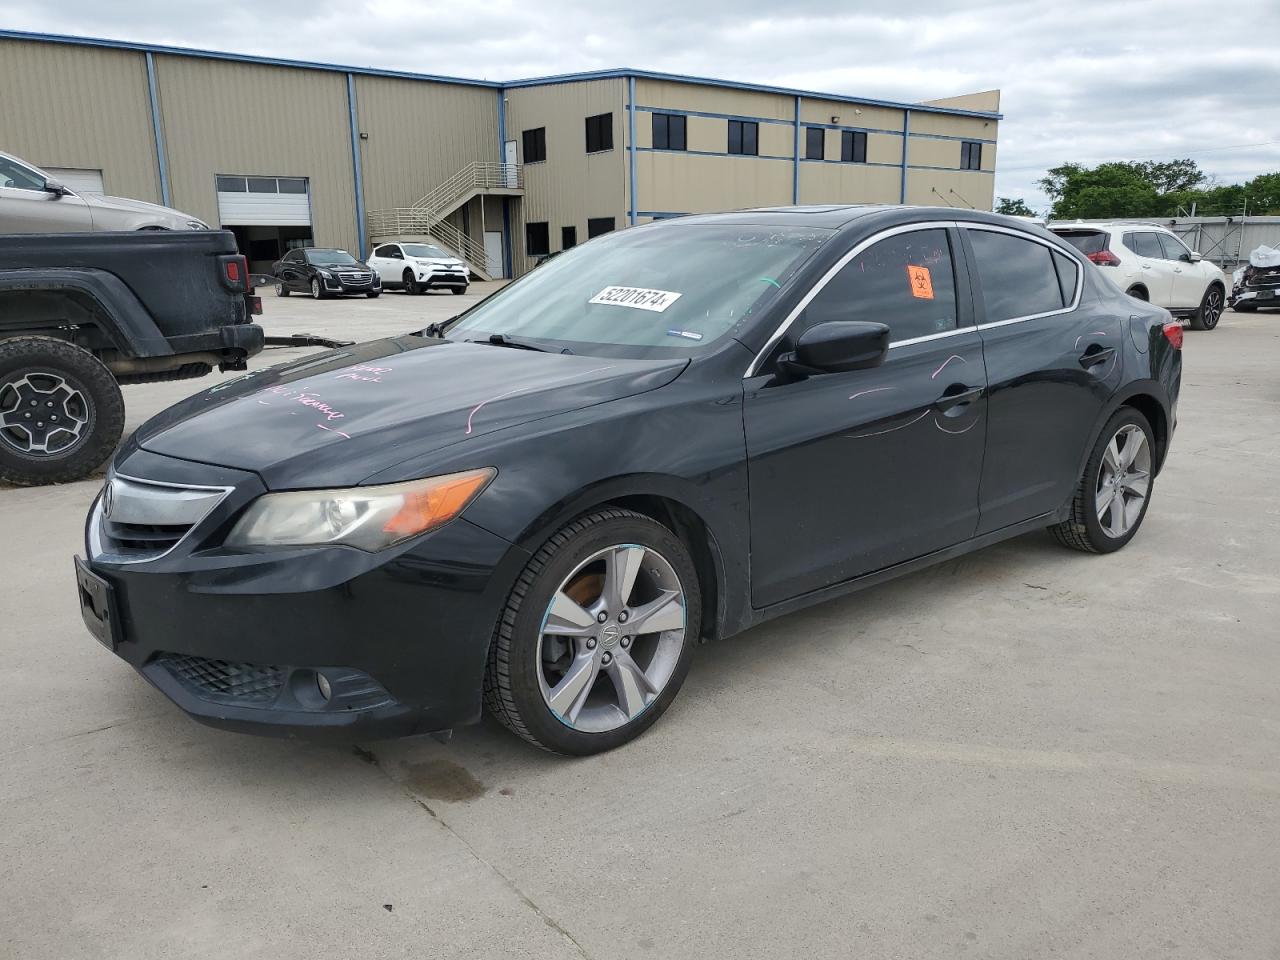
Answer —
611 638
1124 480
315 288
42 414
1212 309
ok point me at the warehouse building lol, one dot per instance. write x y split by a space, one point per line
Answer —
292 153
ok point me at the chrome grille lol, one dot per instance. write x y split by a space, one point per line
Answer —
136 520
355 277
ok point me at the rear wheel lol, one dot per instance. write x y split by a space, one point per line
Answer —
596 637
1112 497
1138 293
61 412
1206 318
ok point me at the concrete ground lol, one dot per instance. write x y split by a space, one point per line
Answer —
1026 752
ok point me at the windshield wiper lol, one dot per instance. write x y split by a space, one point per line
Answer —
501 340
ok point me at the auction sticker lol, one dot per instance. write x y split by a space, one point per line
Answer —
637 297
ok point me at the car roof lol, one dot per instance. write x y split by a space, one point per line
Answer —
837 216
1119 225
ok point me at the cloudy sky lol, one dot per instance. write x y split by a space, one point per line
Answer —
1149 79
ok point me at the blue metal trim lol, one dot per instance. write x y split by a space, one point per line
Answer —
631 142
715 153
851 163
795 173
662 214
906 143
157 130
920 166
611 74
507 259
356 166
939 136
714 116
502 126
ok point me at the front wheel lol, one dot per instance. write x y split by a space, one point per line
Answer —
317 291
596 637
1115 491
61 412
373 294
1206 318
459 290
281 289
1244 308
411 285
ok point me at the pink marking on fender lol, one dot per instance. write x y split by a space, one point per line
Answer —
331 430
944 365
863 436
863 393
476 408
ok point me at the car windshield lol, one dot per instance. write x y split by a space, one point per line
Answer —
426 250
665 288
330 258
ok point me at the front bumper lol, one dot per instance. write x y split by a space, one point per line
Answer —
1260 296
241 640
441 278
344 285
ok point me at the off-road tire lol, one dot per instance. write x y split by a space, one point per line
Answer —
511 691
104 407
1082 530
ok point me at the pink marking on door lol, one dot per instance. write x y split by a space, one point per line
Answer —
944 365
863 393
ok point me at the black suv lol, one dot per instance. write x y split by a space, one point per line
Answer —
324 273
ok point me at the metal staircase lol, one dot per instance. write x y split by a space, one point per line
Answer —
426 218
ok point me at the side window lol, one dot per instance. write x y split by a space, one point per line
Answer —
1068 274
18 177
1018 276
599 225
383 251
1145 245
814 141
905 281
394 252
1173 248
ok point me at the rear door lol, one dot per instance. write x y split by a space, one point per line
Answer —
1155 272
1052 366
852 472
388 261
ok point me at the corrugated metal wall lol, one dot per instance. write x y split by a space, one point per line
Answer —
572 186
86 107
218 117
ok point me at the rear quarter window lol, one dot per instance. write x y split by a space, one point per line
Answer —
1086 241
1018 277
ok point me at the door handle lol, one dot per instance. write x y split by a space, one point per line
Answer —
949 400
1096 355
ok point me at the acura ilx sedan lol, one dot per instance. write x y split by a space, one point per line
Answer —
659 438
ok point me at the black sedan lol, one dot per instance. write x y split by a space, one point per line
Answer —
658 438
324 273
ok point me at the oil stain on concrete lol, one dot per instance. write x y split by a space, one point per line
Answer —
441 779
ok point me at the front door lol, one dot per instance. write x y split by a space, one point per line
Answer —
493 253
853 472
509 158
1188 277
1054 360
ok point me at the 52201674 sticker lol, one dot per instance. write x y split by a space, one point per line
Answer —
637 298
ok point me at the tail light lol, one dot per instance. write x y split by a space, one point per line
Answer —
1173 333
235 272
1104 258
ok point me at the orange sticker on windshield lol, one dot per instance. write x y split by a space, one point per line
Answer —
921 282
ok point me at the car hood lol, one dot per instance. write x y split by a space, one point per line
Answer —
124 204
338 417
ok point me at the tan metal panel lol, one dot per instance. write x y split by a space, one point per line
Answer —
572 186
850 114
951 188
949 126
708 99
987 101
775 140
86 107
884 148
708 134
420 134
206 106
849 183
936 153
686 183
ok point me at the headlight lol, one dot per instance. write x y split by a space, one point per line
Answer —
370 518
325 273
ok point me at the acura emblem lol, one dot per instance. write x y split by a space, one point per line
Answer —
108 499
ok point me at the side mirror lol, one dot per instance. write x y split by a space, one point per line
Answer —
836 347
1195 256
56 187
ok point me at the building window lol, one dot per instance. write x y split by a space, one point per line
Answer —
599 225
853 146
970 156
600 133
669 132
535 145
568 237
744 137
814 138
537 239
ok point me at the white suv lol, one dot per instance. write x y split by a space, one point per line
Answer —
1151 263
418 267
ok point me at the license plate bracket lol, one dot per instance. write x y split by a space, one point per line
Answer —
97 605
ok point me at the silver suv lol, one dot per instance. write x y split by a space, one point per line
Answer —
31 201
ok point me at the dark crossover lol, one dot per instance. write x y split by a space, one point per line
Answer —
661 437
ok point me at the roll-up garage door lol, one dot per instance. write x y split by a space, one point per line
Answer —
264 201
81 181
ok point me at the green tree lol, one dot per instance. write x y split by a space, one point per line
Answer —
1014 207
1119 189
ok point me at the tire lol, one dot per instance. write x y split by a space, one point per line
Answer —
1084 529
1210 312
79 388
281 289
516 674
1138 294
317 289
411 286
459 291
1245 308
373 294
